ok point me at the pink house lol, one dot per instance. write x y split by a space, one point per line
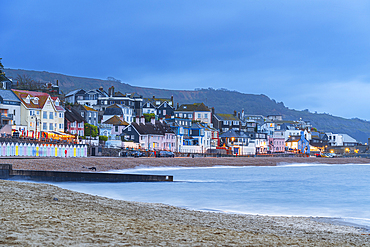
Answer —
276 144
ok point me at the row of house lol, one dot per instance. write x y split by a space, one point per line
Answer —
198 128
188 128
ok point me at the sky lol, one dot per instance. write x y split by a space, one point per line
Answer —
311 55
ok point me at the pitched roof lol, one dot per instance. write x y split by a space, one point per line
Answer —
113 110
88 108
72 116
58 107
148 128
234 133
229 117
22 95
293 139
9 95
74 92
116 121
193 107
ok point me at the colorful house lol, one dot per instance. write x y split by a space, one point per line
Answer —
40 113
298 144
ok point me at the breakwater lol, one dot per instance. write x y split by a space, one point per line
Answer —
7 172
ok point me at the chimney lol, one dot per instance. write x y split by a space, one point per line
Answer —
152 120
153 97
137 120
101 88
235 113
178 105
142 120
213 110
172 99
112 91
57 83
239 115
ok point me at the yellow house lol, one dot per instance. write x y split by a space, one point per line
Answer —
40 113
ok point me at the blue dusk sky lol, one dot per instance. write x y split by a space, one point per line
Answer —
311 55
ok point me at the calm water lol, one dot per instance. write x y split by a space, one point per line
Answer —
338 191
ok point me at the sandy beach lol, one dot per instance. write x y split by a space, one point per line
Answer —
45 215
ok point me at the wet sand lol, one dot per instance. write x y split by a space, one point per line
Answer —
45 215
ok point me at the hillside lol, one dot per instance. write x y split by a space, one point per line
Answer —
223 100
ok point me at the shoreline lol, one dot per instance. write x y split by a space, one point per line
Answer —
43 214
120 163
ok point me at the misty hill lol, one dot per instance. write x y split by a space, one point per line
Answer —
223 100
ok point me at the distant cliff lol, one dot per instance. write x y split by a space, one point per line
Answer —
223 100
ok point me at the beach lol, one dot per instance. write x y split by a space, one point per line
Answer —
46 215
119 163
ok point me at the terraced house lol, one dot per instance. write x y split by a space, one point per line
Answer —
197 112
40 112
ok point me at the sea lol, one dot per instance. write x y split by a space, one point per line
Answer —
339 193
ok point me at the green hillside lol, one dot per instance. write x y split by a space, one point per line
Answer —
223 100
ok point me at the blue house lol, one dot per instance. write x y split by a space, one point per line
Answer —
298 144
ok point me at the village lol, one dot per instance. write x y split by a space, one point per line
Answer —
159 126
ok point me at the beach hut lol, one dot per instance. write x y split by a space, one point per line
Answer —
3 149
8 149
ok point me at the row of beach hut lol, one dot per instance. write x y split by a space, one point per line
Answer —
42 150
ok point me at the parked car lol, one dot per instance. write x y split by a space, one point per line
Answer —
166 154
136 154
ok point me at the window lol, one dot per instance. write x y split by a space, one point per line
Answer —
32 113
89 114
56 115
199 115
132 137
164 112
61 114
51 115
129 128
45 115
44 126
116 128
190 115
205 115
51 126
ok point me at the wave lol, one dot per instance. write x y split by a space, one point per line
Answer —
315 164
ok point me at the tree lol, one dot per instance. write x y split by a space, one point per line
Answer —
27 83
1 66
148 116
89 128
